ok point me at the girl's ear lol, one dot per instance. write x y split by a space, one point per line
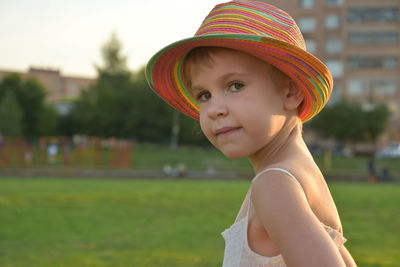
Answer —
293 96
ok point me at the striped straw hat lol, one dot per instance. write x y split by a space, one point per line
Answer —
255 28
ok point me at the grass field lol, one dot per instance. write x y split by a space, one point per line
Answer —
94 222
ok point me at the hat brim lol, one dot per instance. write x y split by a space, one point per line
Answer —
165 74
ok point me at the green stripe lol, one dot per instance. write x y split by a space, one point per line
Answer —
314 102
186 92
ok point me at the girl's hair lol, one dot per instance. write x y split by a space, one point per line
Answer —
203 56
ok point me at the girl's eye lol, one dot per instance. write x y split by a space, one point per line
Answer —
234 87
204 96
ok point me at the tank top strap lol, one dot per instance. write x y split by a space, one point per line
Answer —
273 169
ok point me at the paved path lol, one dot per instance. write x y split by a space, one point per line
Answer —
113 173
149 174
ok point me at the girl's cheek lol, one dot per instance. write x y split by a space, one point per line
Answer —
205 128
202 127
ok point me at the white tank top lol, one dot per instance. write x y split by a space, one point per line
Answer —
239 254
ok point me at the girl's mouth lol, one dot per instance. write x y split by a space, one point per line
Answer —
226 131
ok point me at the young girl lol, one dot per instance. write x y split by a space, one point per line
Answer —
248 78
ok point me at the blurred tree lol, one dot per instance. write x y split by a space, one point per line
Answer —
155 117
30 95
96 112
114 62
149 117
10 115
347 122
376 121
191 132
121 104
49 121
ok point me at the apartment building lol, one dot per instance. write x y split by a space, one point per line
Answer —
58 87
359 42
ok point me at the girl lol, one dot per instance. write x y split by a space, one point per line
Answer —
249 80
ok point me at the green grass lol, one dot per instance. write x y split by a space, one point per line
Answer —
371 219
94 222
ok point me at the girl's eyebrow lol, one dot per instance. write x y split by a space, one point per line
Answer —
228 75
194 89
220 80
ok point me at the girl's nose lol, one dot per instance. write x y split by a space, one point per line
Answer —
217 109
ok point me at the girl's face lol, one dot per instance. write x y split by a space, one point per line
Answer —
241 109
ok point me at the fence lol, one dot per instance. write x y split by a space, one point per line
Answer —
76 152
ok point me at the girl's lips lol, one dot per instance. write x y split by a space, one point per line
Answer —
225 131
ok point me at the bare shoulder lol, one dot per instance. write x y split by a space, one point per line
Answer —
283 209
276 193
307 177
280 203
279 184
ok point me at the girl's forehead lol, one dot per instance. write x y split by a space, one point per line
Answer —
222 64
226 60
234 56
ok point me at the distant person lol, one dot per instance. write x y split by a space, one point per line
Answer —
372 178
386 177
246 75
28 156
52 151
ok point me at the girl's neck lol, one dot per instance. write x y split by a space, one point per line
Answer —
288 143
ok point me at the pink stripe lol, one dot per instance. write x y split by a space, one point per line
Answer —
267 9
265 30
264 27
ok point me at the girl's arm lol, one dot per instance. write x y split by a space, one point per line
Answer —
283 209
348 259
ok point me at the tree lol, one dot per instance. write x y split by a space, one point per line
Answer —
376 121
148 117
49 121
11 116
191 132
30 95
349 123
120 103
114 62
96 111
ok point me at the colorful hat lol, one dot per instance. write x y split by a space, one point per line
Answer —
255 28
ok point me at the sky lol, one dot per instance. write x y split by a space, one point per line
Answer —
68 34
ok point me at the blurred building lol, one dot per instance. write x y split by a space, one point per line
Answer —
58 87
359 42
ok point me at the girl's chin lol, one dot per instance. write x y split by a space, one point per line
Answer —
234 154
232 151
